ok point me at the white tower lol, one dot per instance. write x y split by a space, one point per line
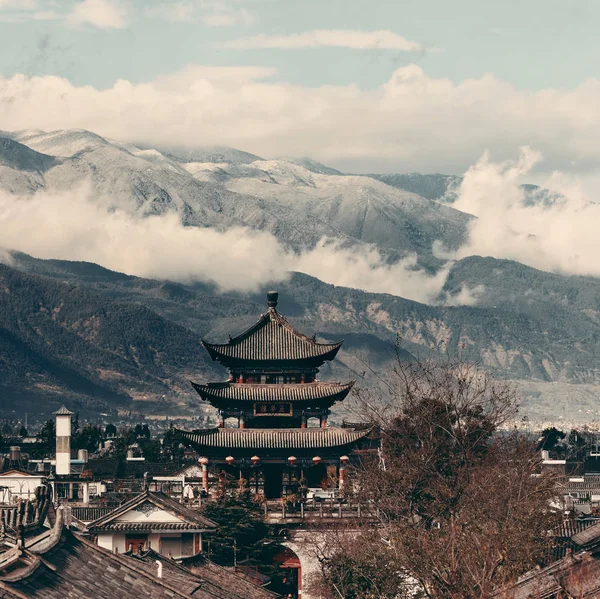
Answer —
63 441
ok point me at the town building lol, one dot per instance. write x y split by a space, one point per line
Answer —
55 563
152 521
19 484
273 432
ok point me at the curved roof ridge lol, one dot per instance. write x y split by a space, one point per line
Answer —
278 392
275 438
270 316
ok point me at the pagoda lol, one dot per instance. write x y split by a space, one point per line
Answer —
280 438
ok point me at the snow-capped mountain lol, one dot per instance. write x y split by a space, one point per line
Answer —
299 201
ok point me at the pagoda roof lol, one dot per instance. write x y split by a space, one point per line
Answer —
272 339
273 392
272 438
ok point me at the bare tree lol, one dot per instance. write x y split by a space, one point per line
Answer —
457 499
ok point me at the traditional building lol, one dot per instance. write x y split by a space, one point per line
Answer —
57 563
152 521
280 439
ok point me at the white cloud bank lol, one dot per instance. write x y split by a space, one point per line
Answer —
412 123
73 226
330 38
558 237
213 13
103 14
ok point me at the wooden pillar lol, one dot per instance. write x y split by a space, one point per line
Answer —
242 420
204 464
323 421
342 478
303 421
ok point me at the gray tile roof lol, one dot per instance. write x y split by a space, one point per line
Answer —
217 582
71 567
147 526
587 537
192 517
273 438
267 392
272 339
63 411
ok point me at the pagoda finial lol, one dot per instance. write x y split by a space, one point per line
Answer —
272 297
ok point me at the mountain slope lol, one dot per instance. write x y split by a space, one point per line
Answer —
358 207
299 202
552 348
21 168
57 341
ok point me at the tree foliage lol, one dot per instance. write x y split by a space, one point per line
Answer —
241 520
460 504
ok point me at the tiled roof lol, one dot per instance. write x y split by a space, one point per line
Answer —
267 392
272 339
63 411
61 565
576 575
138 469
146 526
30 514
217 582
103 467
273 438
589 536
192 517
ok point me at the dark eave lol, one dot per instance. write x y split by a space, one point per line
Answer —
249 392
272 340
274 438
148 527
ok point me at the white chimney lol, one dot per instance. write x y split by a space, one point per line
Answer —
63 441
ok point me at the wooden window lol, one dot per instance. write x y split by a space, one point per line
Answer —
136 542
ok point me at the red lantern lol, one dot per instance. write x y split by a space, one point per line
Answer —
344 459
316 460
292 460
230 459
255 459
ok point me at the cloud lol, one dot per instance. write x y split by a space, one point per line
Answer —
5 257
102 14
213 13
559 236
18 4
364 268
74 226
411 123
17 11
330 38
467 296
175 12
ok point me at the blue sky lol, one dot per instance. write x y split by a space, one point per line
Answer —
379 85
533 44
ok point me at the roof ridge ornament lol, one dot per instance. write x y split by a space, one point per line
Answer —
272 299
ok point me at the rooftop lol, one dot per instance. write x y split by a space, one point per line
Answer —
273 438
59 564
274 392
191 519
272 339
